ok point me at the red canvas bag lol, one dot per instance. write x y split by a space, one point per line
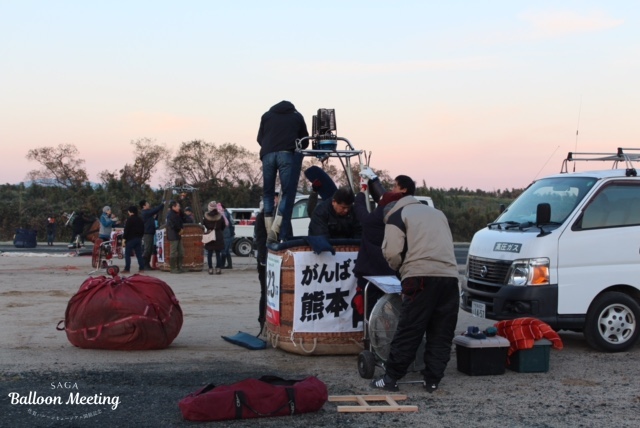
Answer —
126 313
255 398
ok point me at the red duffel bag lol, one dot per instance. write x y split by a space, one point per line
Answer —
255 398
126 313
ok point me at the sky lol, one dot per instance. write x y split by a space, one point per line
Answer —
474 94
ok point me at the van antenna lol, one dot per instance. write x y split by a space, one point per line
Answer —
545 164
577 128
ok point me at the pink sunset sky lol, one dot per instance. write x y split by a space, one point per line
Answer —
484 95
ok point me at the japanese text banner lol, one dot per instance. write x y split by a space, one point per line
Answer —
324 288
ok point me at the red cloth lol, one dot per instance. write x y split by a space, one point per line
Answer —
523 332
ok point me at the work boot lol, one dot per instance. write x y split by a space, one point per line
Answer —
274 232
147 263
173 266
180 269
268 224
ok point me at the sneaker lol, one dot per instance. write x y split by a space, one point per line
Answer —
430 387
386 383
210 271
125 271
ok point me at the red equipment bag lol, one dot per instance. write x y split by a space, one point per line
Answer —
255 398
126 313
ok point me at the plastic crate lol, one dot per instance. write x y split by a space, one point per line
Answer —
534 360
481 357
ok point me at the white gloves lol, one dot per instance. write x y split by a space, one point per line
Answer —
368 173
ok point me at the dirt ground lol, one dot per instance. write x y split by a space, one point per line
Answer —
582 387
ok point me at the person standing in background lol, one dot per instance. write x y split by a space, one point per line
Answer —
132 236
77 228
174 236
228 233
149 219
107 221
213 220
280 127
188 215
51 230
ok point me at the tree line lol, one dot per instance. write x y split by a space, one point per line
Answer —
227 173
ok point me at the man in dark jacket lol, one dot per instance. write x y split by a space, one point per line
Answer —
77 227
51 229
174 236
260 245
132 236
370 261
280 127
334 218
418 244
149 218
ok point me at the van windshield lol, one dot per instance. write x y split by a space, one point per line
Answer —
561 193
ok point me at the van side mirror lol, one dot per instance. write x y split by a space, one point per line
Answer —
502 208
543 213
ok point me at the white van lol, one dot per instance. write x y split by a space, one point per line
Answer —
300 216
566 251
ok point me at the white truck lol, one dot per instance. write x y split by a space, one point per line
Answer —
566 251
243 220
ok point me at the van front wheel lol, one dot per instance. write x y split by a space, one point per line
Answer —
612 322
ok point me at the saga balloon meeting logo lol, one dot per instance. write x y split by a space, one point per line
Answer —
64 401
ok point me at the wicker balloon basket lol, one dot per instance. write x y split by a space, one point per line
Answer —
193 249
283 337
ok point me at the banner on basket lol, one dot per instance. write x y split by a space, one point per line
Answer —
160 245
324 288
274 263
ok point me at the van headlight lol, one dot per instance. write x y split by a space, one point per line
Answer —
532 272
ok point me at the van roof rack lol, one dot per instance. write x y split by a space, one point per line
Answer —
621 155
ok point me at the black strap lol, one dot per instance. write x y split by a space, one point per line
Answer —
291 393
240 400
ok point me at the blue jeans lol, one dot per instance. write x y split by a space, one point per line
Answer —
227 247
133 244
218 258
287 165
276 164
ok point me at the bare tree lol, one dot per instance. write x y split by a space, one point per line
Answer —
198 162
60 166
148 154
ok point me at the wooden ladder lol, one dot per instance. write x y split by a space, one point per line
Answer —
364 406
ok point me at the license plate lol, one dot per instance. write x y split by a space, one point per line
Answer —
478 309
